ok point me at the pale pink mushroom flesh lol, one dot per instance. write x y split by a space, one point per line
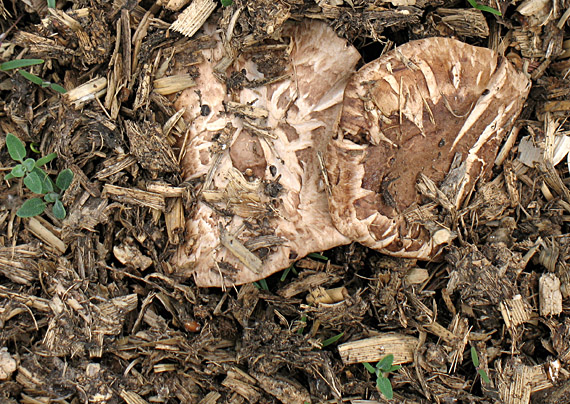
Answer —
302 112
409 113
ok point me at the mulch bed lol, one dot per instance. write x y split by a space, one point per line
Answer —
91 309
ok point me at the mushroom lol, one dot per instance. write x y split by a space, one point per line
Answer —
257 152
262 202
416 110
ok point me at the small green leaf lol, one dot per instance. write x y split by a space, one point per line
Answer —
47 183
317 256
332 340
29 164
32 207
393 368
474 357
369 367
58 210
58 88
63 181
304 321
34 147
18 171
34 183
51 197
285 273
8 176
227 3
386 363
385 387
16 64
262 282
51 3
46 159
484 376
32 77
16 147
481 7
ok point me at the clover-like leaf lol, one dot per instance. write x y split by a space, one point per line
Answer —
369 367
385 387
51 197
32 207
47 183
46 159
29 164
16 147
34 183
386 363
58 210
393 368
18 171
63 180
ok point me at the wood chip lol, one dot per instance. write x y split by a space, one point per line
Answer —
44 234
81 95
550 297
134 196
375 348
193 17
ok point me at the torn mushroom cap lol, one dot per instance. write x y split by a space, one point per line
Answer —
263 200
409 113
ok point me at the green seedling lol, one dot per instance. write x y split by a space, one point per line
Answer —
475 360
317 256
37 180
332 340
481 7
20 63
261 284
227 3
382 371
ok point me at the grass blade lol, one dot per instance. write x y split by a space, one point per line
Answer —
332 340
32 77
17 64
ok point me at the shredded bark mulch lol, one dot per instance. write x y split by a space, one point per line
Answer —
93 310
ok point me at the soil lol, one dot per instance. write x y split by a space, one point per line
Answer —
91 309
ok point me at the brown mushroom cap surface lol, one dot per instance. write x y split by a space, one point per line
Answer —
411 112
262 200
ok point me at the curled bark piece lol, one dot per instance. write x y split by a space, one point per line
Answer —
414 111
255 155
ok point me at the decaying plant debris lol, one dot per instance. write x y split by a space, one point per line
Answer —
92 310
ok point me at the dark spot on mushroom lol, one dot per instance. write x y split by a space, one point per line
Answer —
293 255
262 252
360 138
273 189
205 110
441 143
273 170
486 91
